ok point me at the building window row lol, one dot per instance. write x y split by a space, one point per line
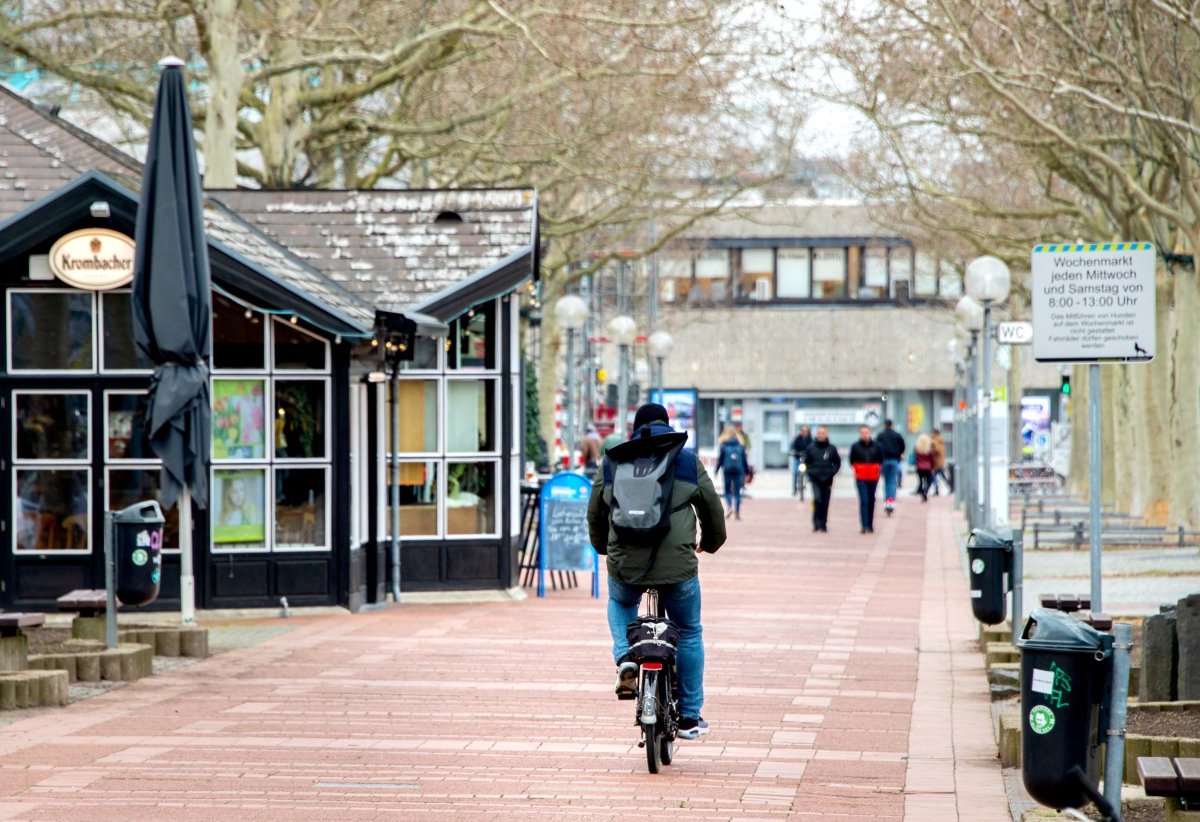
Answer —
791 273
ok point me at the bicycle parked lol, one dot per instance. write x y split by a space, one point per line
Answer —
653 641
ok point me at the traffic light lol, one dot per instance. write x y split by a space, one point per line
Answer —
1065 388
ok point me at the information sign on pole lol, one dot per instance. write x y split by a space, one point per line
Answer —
1093 302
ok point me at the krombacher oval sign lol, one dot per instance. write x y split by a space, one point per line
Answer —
93 258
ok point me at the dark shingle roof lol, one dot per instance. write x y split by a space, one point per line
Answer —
388 246
41 154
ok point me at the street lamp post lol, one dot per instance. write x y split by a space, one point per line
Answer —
988 280
954 354
970 316
624 331
660 343
571 313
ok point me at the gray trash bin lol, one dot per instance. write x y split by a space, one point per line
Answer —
137 546
1066 674
989 557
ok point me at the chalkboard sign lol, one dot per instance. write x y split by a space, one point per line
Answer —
565 544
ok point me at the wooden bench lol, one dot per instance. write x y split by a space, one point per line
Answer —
88 602
1067 603
1176 779
14 624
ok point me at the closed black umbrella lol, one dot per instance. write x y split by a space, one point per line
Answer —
172 308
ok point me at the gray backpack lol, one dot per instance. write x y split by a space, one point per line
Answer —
643 475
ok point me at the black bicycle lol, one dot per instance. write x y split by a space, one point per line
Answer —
657 708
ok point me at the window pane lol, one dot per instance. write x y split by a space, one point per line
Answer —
300 495
469 405
758 261
52 510
238 409
470 498
51 331
300 419
829 272
901 264
875 273
794 273
133 485
128 437
674 266
473 343
238 508
418 499
296 350
120 351
418 417
425 353
239 342
52 426
949 281
712 263
926 279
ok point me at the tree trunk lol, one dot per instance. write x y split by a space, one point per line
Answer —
282 126
1148 397
1120 409
1108 391
551 354
224 87
1184 420
1078 479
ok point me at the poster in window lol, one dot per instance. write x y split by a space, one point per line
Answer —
681 408
238 409
238 511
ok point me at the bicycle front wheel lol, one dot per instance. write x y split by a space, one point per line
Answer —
649 719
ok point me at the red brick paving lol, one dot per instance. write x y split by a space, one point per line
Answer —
843 682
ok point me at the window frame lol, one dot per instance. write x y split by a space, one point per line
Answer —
9 342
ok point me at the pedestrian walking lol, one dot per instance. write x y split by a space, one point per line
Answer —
892 446
866 459
590 451
731 458
923 462
822 460
800 444
939 462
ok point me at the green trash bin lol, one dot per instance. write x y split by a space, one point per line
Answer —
989 558
1066 676
137 546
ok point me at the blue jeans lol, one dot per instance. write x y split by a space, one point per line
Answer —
891 478
682 601
734 482
866 502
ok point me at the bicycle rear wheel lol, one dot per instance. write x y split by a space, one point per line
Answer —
667 721
649 719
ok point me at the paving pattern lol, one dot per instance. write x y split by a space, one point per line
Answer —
842 683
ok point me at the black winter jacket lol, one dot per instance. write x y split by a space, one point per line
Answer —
822 460
891 443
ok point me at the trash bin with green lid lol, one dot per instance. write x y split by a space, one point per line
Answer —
1066 671
137 543
989 558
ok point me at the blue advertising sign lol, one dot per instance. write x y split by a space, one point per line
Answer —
563 531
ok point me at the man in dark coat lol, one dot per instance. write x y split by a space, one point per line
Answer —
866 458
892 446
672 567
823 463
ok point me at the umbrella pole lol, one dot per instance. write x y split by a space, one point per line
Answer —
187 579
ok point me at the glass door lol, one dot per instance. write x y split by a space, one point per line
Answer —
775 438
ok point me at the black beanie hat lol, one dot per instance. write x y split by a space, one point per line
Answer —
650 412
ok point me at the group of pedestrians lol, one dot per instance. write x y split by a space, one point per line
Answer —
871 459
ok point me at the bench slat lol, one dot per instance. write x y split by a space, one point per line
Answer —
1189 774
22 620
1158 776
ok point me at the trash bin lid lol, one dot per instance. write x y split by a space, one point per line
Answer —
140 512
991 539
1056 631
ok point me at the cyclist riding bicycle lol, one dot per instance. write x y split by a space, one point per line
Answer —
669 565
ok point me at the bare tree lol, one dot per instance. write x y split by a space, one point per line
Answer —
1080 115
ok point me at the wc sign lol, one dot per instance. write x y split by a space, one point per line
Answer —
1014 332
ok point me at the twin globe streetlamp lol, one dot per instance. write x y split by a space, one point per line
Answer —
571 313
624 331
988 281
